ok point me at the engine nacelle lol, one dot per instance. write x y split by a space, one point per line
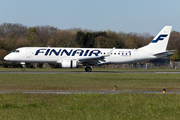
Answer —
69 64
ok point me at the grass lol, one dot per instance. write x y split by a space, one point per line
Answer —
122 106
90 82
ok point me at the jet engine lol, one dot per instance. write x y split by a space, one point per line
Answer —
69 64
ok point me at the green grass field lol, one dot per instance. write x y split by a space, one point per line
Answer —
90 82
132 106
124 106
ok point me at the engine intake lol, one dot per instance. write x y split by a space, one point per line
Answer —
69 64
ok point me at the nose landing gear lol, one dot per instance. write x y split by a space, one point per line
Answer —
23 69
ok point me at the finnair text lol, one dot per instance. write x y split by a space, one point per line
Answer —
70 52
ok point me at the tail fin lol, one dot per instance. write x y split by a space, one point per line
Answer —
159 43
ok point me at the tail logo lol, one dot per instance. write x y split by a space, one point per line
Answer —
161 37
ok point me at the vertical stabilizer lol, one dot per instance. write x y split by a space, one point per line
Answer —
159 43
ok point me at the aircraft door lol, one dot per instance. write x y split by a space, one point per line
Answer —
28 52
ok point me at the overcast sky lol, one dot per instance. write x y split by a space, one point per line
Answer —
140 16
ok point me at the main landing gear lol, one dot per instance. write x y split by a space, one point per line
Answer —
88 69
23 66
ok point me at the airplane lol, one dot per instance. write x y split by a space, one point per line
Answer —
72 57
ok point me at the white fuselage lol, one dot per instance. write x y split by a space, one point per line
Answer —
55 54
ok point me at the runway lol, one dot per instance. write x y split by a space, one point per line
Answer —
90 92
80 72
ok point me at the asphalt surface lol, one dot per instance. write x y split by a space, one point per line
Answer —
79 72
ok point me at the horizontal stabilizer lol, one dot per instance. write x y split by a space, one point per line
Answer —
168 53
160 53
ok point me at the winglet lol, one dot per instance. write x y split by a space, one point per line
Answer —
109 53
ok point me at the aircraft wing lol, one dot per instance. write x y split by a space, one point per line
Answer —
94 60
91 60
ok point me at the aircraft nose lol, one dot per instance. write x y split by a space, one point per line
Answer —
6 57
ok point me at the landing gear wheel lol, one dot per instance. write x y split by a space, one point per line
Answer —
88 69
23 69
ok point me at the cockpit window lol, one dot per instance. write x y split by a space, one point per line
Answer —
16 51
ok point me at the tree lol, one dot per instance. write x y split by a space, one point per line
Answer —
86 40
1 44
175 56
119 38
10 42
22 42
9 33
132 42
81 39
17 29
144 38
62 38
32 34
174 42
104 42
44 34
3 53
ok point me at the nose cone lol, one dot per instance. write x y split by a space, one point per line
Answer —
7 57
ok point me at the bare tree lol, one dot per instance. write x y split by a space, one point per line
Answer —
174 42
22 42
10 42
62 38
44 34
17 29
